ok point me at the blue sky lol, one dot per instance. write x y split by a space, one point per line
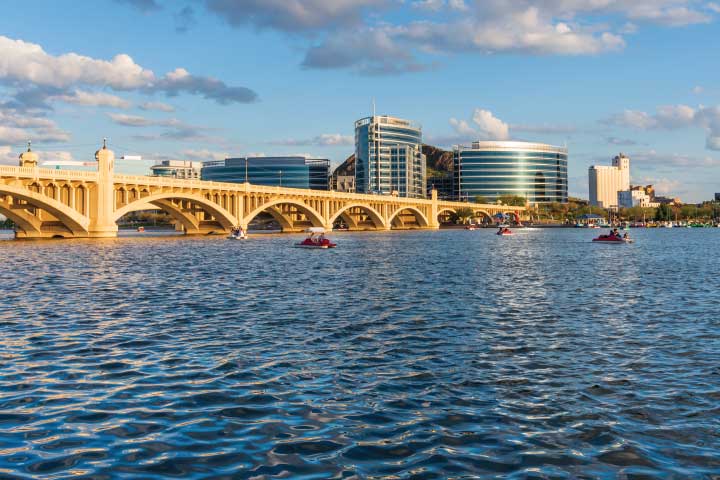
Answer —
203 79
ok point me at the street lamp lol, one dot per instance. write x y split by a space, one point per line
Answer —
280 173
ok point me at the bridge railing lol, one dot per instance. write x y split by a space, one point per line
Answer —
46 173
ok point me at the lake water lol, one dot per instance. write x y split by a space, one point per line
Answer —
442 354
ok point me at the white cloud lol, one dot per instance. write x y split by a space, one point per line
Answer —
27 63
457 5
176 129
294 15
159 106
673 117
493 128
204 155
17 128
462 128
9 155
356 34
486 127
322 140
697 90
131 120
433 5
655 159
94 99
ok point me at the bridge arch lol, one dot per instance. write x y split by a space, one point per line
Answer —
70 219
482 212
21 219
445 210
374 215
313 216
419 216
160 200
189 222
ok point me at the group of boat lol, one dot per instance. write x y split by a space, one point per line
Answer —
315 239
316 236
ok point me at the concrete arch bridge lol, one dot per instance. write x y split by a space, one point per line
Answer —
46 203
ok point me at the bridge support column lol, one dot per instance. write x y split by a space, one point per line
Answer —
433 221
102 201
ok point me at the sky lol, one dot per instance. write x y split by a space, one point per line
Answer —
207 79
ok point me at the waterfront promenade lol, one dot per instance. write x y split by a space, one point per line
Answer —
47 203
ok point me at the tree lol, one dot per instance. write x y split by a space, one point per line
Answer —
512 200
663 213
463 215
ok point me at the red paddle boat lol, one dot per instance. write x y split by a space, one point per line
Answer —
504 231
612 239
316 239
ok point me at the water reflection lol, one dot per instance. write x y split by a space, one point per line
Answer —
426 354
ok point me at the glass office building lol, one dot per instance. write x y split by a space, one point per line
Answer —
177 169
290 172
535 171
388 157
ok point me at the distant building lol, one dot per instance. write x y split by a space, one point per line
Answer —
444 184
291 172
344 183
605 182
535 171
635 197
717 197
177 169
388 157
668 200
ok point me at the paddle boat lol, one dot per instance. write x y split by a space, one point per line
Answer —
316 239
472 226
612 239
238 234
504 231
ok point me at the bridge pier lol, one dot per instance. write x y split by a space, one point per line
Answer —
102 201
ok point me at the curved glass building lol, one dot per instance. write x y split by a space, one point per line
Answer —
388 157
535 171
290 172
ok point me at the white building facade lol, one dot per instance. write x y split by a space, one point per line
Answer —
604 182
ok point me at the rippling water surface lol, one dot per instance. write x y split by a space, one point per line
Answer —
447 354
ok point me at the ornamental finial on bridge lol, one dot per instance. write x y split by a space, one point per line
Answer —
29 158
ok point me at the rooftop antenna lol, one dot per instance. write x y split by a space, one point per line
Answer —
104 143
29 145
373 102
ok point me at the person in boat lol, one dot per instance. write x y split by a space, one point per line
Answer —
500 230
626 236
